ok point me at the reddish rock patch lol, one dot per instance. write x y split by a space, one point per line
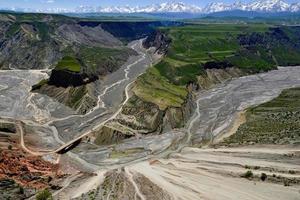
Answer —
28 171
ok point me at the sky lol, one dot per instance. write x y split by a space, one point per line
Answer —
69 4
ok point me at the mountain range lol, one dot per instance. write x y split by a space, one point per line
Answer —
264 6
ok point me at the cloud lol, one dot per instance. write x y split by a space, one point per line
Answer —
50 1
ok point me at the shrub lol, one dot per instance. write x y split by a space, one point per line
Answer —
286 183
9 147
292 172
44 195
248 174
263 176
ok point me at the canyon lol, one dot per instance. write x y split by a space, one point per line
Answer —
149 121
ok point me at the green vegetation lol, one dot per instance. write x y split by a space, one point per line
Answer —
209 42
94 58
68 63
194 48
36 17
121 154
247 175
274 122
42 29
13 29
40 84
44 195
156 88
76 95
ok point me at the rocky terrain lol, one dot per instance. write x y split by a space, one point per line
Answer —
136 119
142 116
253 171
79 52
22 174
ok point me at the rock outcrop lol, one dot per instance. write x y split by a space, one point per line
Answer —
214 76
80 98
32 41
159 41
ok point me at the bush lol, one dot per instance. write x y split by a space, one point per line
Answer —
292 172
21 190
263 176
248 174
44 195
9 147
286 183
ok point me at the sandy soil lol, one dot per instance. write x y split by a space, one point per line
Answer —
215 174
239 120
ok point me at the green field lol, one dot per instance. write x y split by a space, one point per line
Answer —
155 88
251 47
68 63
99 58
209 42
274 122
92 60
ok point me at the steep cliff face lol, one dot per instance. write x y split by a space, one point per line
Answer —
80 98
158 40
38 41
22 47
214 76
177 117
64 78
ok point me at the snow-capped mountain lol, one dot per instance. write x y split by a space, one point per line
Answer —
258 6
269 6
216 7
173 7
116 9
180 7
238 5
155 8
295 7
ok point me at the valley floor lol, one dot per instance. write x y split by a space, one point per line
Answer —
195 173
162 166
220 172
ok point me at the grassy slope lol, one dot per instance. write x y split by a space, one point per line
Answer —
68 63
274 122
91 59
191 47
